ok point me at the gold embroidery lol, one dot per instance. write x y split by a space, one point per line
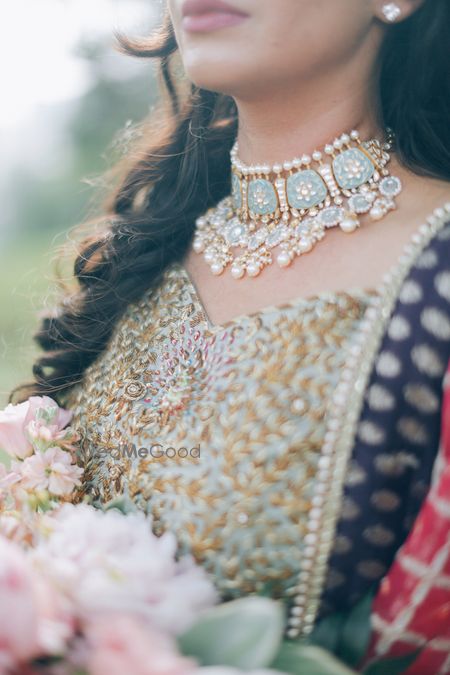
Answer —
252 396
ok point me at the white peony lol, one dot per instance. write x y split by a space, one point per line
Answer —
106 561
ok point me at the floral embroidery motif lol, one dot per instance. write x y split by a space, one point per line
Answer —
182 372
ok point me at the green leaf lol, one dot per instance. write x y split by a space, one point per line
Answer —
392 666
327 632
244 633
122 503
305 659
266 590
356 631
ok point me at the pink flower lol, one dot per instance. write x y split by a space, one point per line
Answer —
120 644
50 410
12 526
18 608
47 422
38 418
8 478
33 620
42 436
51 470
13 438
56 623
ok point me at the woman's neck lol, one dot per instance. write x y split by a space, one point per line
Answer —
285 124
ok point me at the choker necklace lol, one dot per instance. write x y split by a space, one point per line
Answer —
291 205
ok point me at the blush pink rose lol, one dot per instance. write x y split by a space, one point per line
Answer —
21 423
13 436
120 644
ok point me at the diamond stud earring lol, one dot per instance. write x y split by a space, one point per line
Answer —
391 11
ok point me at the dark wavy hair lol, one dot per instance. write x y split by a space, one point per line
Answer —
179 166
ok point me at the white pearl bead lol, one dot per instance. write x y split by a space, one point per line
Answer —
329 149
209 257
306 159
376 213
310 539
198 246
284 259
324 463
287 166
349 225
345 138
317 155
354 134
277 168
237 271
292 633
297 162
253 269
337 144
216 268
305 246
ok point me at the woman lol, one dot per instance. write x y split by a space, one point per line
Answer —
281 419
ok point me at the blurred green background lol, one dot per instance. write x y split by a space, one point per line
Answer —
69 104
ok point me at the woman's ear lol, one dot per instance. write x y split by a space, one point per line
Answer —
394 12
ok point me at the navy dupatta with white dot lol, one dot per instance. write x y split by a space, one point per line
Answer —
398 432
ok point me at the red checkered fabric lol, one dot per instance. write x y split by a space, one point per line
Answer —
412 608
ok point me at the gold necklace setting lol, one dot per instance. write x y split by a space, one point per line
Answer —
290 206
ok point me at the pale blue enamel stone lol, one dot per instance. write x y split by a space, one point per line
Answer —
352 168
262 198
305 189
236 191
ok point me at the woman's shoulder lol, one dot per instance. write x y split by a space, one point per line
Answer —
428 199
427 193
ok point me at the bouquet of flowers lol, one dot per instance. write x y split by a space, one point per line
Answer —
84 590
88 591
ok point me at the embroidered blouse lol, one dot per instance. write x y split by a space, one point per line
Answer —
277 447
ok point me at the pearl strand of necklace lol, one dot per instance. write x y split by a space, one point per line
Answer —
297 162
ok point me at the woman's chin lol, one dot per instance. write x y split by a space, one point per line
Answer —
220 79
